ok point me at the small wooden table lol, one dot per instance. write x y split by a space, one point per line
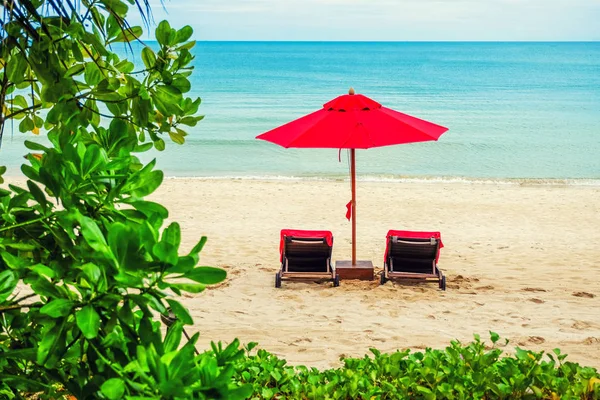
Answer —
363 270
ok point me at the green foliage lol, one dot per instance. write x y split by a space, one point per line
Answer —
471 371
86 264
60 65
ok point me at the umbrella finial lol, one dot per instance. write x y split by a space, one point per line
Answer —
351 91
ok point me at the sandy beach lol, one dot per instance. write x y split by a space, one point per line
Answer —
521 260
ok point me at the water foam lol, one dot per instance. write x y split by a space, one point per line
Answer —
406 179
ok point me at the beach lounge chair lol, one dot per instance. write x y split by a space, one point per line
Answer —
306 255
413 255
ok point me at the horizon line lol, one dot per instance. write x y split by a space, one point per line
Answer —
391 41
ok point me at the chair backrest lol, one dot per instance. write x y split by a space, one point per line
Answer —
307 254
412 254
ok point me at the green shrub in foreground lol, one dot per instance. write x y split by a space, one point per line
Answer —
469 371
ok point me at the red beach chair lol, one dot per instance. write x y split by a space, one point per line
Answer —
410 254
306 255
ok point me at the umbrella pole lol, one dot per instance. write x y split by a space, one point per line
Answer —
353 180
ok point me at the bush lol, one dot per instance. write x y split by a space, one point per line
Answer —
458 372
86 262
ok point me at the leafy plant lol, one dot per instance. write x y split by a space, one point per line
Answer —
85 262
471 371
57 57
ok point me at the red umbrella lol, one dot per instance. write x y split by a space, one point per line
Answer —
353 121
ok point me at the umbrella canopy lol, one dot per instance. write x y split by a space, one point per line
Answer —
353 121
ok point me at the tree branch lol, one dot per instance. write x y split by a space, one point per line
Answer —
23 110
28 296
22 224
19 306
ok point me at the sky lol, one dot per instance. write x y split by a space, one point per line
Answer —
385 20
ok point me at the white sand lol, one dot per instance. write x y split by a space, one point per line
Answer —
523 261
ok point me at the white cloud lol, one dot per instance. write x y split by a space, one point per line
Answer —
386 19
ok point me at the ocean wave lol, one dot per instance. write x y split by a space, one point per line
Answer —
408 179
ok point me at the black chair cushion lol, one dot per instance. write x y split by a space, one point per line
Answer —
307 264
414 265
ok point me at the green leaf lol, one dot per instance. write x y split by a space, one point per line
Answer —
129 280
163 32
76 49
159 144
165 252
117 7
8 283
20 101
169 95
43 270
494 337
182 362
21 381
191 107
113 388
207 275
92 273
140 108
241 392
177 137
173 337
30 172
125 66
44 288
172 235
188 287
37 194
180 312
21 354
94 236
92 74
161 107
150 209
88 321
26 125
91 113
190 121
143 182
148 57
199 246
187 45
35 146
184 57
184 34
57 308
94 158
267 393
125 245
125 313
182 84
74 70
16 67
12 261
128 35
38 121
184 265
425 392
113 97
51 343
112 26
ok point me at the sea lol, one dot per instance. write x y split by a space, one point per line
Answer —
516 111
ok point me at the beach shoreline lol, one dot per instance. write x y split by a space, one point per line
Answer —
399 179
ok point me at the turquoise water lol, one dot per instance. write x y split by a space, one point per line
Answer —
514 110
